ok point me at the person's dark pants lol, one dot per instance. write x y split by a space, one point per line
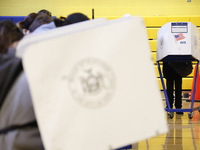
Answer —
175 81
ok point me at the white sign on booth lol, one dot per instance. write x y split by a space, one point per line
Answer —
95 88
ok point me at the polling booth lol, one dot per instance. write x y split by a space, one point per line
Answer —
88 87
178 42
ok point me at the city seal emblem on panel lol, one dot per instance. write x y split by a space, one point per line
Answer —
92 83
161 42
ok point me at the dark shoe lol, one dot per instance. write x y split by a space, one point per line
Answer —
180 113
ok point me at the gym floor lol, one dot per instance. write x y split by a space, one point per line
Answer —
183 134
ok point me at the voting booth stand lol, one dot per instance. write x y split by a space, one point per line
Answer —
178 42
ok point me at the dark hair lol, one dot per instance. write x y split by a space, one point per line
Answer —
44 11
28 21
9 33
59 22
76 17
72 18
40 20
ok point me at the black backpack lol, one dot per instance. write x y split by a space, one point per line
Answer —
182 68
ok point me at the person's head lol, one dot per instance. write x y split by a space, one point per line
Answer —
59 22
71 19
28 21
76 17
9 34
44 11
40 20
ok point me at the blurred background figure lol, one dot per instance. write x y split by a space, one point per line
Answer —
26 23
76 17
40 20
44 22
18 125
44 11
10 35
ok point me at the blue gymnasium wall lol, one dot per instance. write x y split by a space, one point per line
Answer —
12 18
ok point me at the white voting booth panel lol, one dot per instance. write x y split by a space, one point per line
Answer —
32 38
89 90
178 38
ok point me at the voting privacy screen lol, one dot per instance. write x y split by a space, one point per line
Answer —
178 39
94 85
